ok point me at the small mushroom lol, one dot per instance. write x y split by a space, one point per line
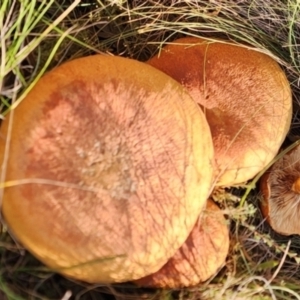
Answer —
280 187
199 258
245 96
104 168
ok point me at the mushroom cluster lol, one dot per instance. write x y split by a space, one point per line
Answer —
246 99
112 161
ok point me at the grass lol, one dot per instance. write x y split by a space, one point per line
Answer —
38 35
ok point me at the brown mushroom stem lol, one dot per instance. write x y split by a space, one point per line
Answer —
296 186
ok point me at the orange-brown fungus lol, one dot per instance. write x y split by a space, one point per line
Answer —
104 155
245 96
296 186
200 257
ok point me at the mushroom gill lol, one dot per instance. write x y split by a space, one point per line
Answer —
280 203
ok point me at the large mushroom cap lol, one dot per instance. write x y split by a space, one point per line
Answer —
245 96
200 257
106 162
280 187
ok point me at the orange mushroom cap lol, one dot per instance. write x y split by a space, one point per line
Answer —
245 96
280 203
105 163
199 258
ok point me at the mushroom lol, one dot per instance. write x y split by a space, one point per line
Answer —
245 96
104 168
200 257
280 189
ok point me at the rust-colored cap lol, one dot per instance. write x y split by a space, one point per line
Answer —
106 163
200 257
245 96
280 187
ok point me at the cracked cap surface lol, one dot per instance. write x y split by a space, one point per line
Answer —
108 162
